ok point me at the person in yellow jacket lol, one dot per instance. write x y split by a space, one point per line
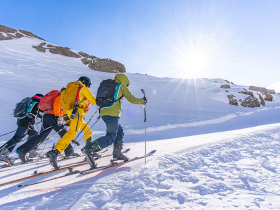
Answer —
111 115
77 94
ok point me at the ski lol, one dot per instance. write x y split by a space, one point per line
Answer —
101 168
42 160
64 167
115 164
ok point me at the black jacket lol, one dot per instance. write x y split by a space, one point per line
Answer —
26 121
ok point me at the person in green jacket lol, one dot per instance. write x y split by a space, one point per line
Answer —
111 116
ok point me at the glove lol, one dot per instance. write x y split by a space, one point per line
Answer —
66 119
59 121
145 100
31 127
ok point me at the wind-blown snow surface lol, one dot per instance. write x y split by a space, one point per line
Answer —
209 154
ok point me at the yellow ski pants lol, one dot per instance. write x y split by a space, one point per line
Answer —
76 124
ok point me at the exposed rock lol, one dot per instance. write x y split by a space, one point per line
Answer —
233 101
27 33
271 91
230 96
6 29
63 51
262 101
225 86
85 61
247 92
268 97
262 90
14 34
250 101
40 47
104 65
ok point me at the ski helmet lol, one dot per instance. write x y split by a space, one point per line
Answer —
38 96
85 80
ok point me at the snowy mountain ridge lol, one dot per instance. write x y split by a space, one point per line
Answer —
210 155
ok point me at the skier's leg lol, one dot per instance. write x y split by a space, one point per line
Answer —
112 126
34 141
19 135
118 145
8 147
74 127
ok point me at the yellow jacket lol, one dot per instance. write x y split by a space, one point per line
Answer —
84 98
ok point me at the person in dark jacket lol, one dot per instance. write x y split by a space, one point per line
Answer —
25 126
52 120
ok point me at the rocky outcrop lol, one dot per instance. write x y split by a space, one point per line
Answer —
247 92
233 101
7 33
225 86
268 97
94 63
262 90
251 102
261 99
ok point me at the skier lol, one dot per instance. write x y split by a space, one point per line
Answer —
75 98
25 126
111 116
51 119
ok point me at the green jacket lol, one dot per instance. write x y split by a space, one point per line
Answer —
121 90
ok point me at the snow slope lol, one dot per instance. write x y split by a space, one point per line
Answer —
210 155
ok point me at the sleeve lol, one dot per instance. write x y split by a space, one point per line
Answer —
131 98
86 92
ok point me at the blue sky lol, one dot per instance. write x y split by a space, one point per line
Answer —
234 40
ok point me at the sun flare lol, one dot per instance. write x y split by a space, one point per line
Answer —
193 66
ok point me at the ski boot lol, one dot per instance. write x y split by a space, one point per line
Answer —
4 156
21 156
52 155
117 153
89 151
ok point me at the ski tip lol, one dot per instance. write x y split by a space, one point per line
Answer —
20 185
152 152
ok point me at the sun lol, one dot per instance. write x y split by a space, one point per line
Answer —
192 65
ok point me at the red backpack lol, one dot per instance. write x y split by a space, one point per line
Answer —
46 104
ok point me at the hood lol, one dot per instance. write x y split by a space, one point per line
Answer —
122 78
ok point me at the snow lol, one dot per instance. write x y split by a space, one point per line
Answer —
210 155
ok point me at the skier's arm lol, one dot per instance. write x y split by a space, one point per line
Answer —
131 98
86 92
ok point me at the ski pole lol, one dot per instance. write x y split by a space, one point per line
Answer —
91 127
14 131
85 126
30 137
144 105
8 133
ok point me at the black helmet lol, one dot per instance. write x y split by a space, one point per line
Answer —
38 96
85 80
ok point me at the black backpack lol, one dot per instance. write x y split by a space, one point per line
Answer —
105 93
21 108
